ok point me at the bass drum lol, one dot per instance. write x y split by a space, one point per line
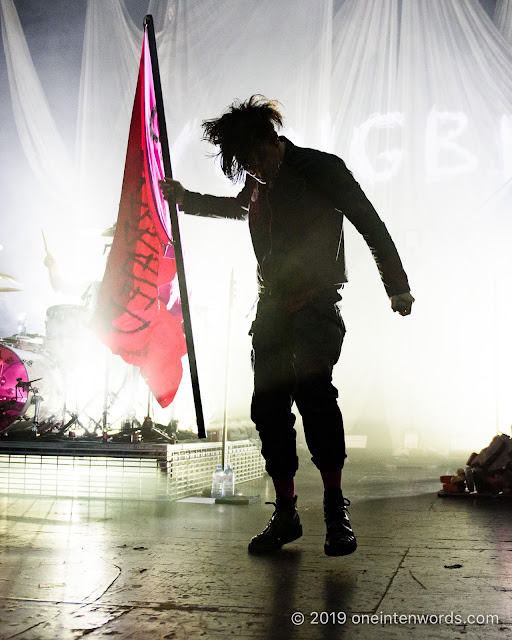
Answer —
67 328
23 375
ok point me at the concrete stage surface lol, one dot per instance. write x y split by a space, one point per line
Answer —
73 568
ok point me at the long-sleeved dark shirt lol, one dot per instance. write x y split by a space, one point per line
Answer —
296 223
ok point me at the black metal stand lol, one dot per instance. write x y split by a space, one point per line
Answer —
176 241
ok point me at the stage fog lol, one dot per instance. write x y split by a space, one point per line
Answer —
416 97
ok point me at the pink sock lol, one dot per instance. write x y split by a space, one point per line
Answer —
331 479
284 487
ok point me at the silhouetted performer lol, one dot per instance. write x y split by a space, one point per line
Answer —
295 200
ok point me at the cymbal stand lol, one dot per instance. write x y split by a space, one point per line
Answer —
106 394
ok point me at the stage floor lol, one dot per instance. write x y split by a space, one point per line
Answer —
181 570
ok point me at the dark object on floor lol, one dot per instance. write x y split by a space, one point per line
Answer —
487 473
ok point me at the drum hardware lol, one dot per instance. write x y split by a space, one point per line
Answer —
111 397
77 418
69 338
21 402
74 420
148 428
90 295
129 432
26 385
98 425
30 341
106 394
36 401
81 415
67 389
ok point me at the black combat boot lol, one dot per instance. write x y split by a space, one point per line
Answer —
284 526
340 539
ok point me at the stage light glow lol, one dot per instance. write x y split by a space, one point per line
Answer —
418 106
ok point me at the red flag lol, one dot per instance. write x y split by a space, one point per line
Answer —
138 314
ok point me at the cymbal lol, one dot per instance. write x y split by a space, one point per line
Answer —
109 233
7 289
4 276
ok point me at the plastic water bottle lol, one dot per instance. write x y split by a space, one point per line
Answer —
218 483
22 324
229 481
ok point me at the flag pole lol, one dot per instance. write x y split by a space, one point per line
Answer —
176 241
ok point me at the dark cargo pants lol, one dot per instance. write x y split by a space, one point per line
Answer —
294 353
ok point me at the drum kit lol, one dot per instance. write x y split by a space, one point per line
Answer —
30 386
60 384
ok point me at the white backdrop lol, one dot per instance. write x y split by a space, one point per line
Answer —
415 96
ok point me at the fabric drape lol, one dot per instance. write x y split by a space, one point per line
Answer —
415 96
39 135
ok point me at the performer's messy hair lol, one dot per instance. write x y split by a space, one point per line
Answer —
240 130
